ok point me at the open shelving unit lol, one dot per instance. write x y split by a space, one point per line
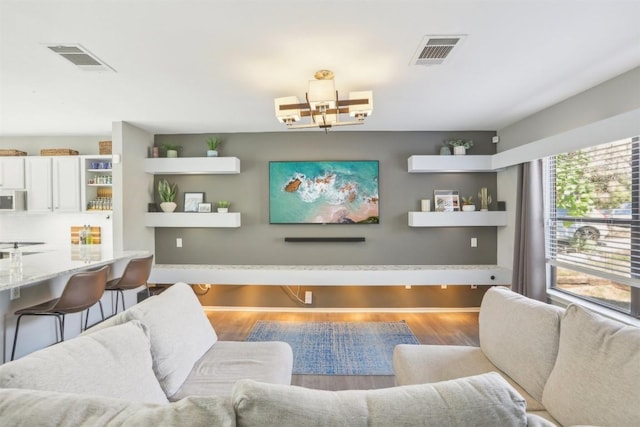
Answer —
458 219
192 219
192 165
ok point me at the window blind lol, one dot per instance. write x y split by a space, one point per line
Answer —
593 217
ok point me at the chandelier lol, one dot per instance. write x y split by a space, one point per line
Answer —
322 106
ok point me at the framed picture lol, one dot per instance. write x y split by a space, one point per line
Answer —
446 200
192 200
323 192
204 207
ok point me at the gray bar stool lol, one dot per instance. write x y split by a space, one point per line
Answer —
135 274
82 291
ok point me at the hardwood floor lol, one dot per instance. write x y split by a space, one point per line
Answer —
429 328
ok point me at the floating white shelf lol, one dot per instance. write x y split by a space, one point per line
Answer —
192 165
424 164
458 219
189 219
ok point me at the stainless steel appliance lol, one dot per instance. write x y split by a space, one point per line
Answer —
12 200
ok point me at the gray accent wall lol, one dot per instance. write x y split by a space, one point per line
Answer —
390 242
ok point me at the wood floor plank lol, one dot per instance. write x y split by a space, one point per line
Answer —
429 328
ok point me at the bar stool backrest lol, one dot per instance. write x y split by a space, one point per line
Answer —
136 273
82 291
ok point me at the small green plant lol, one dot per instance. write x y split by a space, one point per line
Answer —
460 143
467 200
213 142
167 191
170 146
223 203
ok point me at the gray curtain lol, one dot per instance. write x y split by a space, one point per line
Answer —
529 271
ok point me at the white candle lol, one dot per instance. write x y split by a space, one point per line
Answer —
425 205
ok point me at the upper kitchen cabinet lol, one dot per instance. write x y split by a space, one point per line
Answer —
53 184
11 173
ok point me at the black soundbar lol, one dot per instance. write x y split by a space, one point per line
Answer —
324 239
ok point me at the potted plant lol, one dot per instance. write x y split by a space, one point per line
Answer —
467 204
460 146
172 149
167 194
223 206
213 144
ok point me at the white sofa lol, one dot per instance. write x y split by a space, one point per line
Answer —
159 364
573 367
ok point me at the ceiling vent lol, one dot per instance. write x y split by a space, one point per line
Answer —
434 50
80 57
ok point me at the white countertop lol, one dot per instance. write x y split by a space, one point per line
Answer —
50 262
331 275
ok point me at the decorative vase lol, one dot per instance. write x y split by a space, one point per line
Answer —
445 151
468 208
223 210
485 199
172 153
212 153
459 150
168 206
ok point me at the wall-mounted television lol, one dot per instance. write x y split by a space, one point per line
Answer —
323 192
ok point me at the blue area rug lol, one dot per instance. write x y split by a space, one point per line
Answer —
338 348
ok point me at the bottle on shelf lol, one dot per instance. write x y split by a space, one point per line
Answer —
15 258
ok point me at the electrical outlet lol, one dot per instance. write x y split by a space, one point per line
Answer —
308 297
179 242
15 294
474 242
443 286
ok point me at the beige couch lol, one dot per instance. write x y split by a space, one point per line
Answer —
160 364
573 367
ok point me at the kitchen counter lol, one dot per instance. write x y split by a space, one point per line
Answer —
45 262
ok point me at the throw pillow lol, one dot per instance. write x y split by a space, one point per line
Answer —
114 362
180 333
479 400
520 337
46 408
596 377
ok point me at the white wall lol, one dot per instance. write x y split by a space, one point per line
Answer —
605 113
134 188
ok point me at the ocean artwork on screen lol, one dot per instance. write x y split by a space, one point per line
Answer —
323 192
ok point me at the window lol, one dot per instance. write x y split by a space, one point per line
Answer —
593 224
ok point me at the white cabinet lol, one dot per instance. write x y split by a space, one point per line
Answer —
53 184
11 173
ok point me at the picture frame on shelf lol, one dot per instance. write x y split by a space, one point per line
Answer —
204 207
446 201
192 201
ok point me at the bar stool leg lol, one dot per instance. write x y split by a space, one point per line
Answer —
15 337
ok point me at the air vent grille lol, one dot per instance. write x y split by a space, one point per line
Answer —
434 50
80 57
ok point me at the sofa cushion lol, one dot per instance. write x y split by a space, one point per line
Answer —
114 362
30 408
228 361
480 400
520 336
180 332
597 374
418 364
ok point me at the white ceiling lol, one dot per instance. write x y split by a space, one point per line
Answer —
215 66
